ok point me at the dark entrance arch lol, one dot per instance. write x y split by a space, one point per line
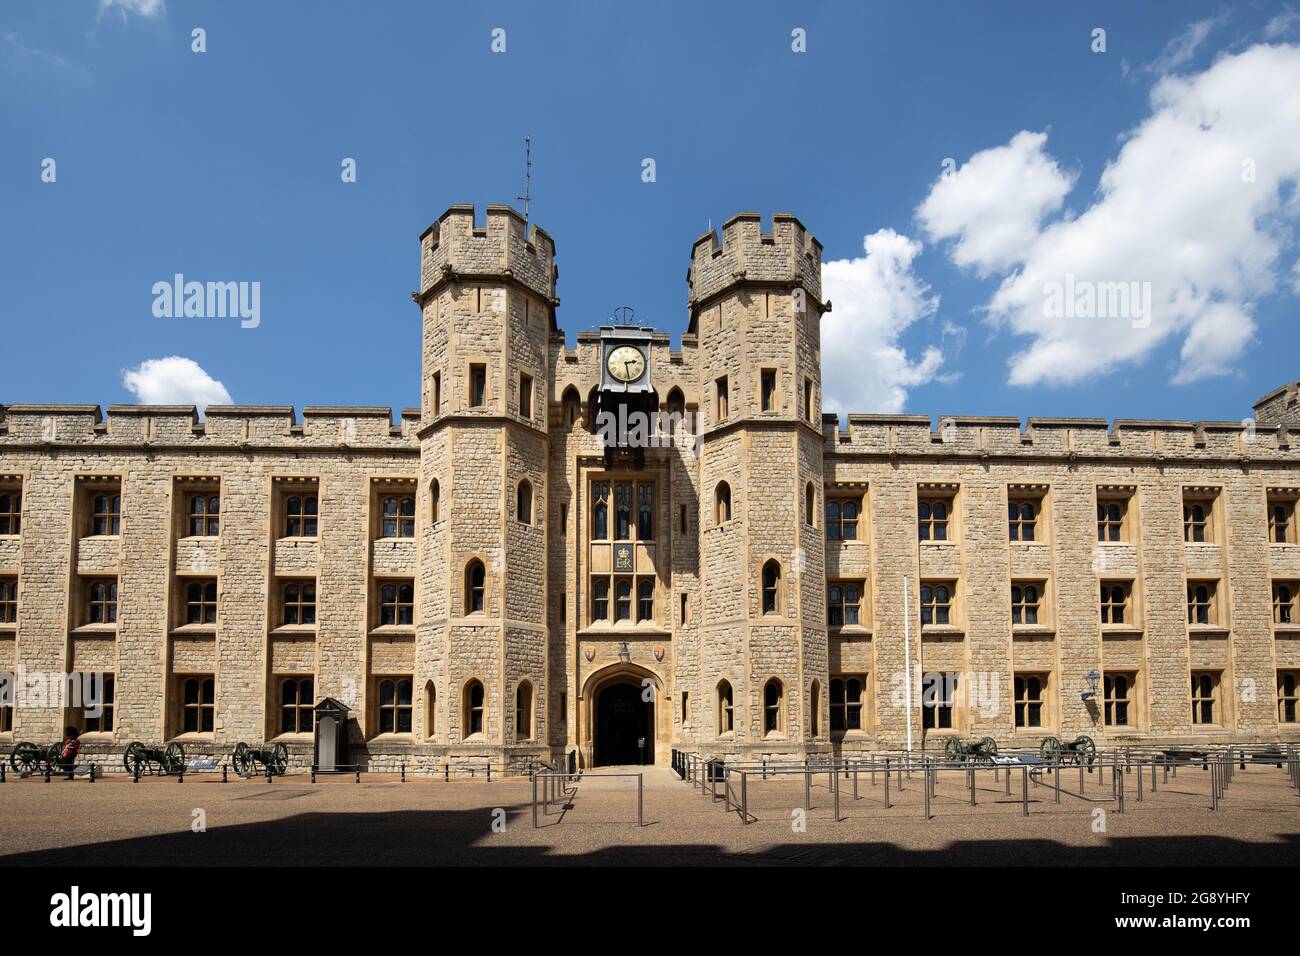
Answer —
625 726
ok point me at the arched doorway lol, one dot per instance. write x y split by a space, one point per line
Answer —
624 725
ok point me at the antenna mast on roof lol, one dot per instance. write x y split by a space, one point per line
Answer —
528 174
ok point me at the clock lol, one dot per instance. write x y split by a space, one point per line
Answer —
625 363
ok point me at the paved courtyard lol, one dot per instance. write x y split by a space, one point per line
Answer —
473 822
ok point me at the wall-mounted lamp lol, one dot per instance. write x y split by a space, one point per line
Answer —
1091 692
624 653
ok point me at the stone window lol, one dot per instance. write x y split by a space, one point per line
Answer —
1115 598
933 517
473 706
1198 516
808 400
726 709
773 697
622 599
299 603
102 722
297 698
437 393
847 697
475 578
1284 602
1029 703
201 601
1202 602
842 518
938 702
301 516
525 395
106 514
645 516
600 511
8 600
685 617
1113 507
524 502
430 710
1288 696
645 600
722 399
477 385
815 708
1205 697
397 516
686 708
810 504
772 587
435 491
197 704
1118 699
394 696
600 599
937 603
204 516
1022 520
101 603
396 604
571 404
722 503
844 603
1026 599
11 509
7 709
1281 518
524 711
767 390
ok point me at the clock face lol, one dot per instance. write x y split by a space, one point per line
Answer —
625 363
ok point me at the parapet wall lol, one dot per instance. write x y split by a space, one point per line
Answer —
788 254
453 247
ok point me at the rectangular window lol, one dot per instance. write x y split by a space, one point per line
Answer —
934 518
768 390
722 399
298 603
106 511
1284 602
622 599
203 514
936 603
1112 516
600 599
847 694
525 395
645 600
1118 699
299 505
1288 696
686 708
1202 602
297 698
1022 519
394 710
437 393
8 600
681 518
938 693
11 508
200 600
684 609
477 385
844 603
1198 518
1029 691
102 722
393 502
1026 599
1281 518
842 518
396 603
101 601
1115 597
808 400
1205 698
197 695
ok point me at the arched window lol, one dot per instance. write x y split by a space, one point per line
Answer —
771 587
524 502
810 504
475 577
300 602
297 697
524 711
435 505
600 511
645 599
300 516
815 709
676 410
398 517
722 503
600 599
726 712
571 405
473 722
395 705
396 604
205 516
430 710
772 696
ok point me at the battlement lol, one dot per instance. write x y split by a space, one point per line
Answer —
1280 406
786 255
958 436
506 248
238 426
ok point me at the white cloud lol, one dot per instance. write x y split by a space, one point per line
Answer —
876 298
174 381
1175 209
993 206
1283 23
1180 50
145 8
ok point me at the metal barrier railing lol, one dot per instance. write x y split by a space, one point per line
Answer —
548 798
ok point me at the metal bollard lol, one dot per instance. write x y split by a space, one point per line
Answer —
927 793
640 800
886 783
835 778
1139 780
1120 786
313 773
268 773
358 773
224 779
807 790
744 794
1024 788
403 771
135 774
534 801
180 775
92 773
971 774
1057 782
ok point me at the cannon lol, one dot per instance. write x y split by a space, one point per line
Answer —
982 750
274 758
28 758
1079 750
140 759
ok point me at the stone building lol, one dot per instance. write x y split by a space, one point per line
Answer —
501 576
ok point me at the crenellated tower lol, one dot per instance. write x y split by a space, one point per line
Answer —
755 309
487 295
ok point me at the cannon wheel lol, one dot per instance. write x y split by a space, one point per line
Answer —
240 759
988 747
25 757
279 761
134 756
173 758
1049 749
953 749
54 756
1086 749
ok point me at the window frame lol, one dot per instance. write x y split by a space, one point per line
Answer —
396 709
304 714
1023 702
843 707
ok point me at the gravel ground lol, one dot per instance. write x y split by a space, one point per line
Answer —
470 822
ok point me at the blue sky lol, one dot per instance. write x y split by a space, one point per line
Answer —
225 165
